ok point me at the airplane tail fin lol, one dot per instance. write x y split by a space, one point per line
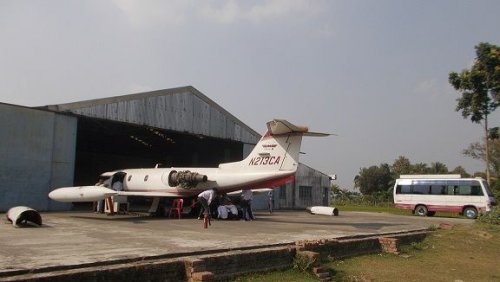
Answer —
277 150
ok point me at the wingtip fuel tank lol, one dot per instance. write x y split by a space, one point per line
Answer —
81 194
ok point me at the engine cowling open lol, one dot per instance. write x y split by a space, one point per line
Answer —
185 179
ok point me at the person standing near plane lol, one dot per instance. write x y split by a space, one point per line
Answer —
99 204
246 204
205 198
270 201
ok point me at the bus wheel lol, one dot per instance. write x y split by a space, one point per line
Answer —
421 210
431 213
470 213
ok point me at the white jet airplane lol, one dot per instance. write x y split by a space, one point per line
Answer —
273 162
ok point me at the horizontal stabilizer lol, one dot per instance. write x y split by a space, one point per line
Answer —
281 126
317 134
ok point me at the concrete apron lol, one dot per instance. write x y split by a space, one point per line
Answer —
92 243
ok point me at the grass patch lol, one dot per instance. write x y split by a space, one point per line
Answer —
387 209
353 207
286 275
468 252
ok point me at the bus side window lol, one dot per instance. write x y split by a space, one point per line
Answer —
403 189
421 189
476 191
438 190
450 190
464 190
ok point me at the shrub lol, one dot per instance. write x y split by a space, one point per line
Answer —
493 217
433 227
302 262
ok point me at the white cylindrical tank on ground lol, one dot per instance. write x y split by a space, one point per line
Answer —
323 210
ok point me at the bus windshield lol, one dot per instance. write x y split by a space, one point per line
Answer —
485 184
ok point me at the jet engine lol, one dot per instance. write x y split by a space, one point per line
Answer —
185 179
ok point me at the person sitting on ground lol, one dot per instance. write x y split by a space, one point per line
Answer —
227 210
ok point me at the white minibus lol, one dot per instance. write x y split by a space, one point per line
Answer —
427 194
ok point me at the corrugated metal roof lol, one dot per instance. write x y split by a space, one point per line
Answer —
183 109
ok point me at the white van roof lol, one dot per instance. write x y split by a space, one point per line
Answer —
430 176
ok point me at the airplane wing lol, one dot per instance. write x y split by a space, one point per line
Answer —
254 191
152 194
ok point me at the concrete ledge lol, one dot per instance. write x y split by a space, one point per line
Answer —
217 265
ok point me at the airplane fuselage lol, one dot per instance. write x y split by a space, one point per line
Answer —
157 180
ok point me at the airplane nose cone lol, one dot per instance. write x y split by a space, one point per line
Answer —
55 195
66 194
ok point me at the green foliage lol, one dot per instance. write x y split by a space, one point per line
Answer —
401 165
419 246
433 227
280 275
374 179
302 262
479 85
378 199
460 170
492 217
378 181
477 151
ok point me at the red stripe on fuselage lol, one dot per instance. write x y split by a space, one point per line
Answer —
274 183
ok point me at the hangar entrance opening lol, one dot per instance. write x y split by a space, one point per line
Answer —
104 145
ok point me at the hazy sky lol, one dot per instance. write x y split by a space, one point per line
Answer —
374 72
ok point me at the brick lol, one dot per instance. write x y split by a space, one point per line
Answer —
202 276
389 245
323 275
318 269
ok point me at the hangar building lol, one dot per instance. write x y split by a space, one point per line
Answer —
71 144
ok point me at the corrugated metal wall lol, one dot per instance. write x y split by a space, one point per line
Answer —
180 109
311 188
37 150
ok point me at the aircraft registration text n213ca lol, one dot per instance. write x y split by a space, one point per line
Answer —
272 163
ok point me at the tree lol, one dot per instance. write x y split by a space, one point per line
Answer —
438 168
479 86
374 179
419 168
478 151
400 166
460 170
